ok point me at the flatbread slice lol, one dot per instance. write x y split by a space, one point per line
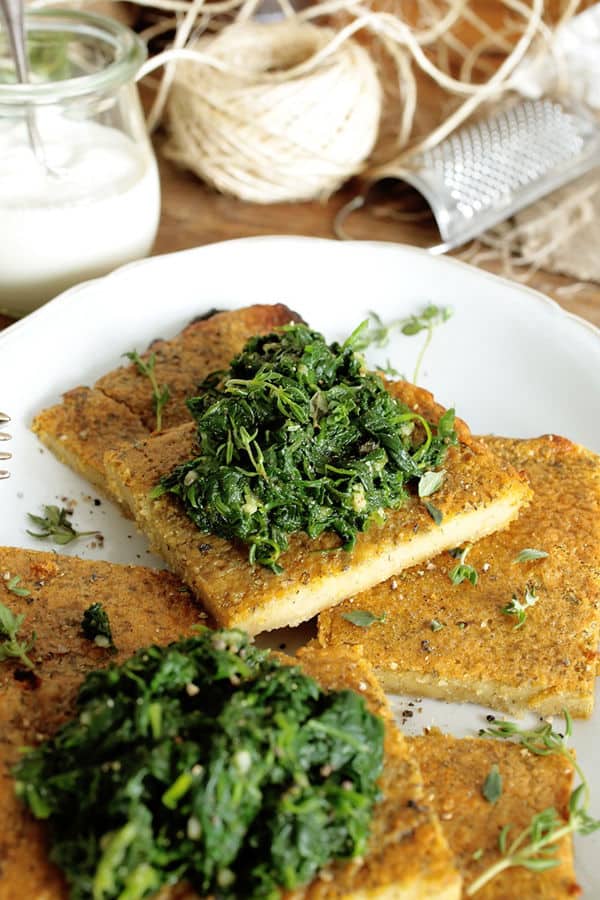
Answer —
477 654
409 857
479 495
118 409
454 771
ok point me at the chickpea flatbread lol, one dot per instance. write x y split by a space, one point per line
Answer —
459 642
479 495
119 409
409 856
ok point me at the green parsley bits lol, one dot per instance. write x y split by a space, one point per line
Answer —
207 762
297 436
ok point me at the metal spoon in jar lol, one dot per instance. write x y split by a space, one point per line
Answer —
13 15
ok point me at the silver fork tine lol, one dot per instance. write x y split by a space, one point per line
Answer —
4 436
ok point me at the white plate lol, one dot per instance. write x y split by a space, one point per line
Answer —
510 361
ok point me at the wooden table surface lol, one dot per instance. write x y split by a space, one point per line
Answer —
193 215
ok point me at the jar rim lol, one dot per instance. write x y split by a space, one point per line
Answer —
129 54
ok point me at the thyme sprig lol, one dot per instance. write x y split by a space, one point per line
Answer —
55 524
297 436
364 618
378 332
11 647
528 554
160 393
462 571
518 608
535 847
15 587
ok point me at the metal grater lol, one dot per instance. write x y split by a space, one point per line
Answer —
4 436
486 172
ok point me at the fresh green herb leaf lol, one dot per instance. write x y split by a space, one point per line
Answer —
13 585
296 436
477 854
431 317
435 625
96 626
376 333
209 762
389 369
435 513
55 523
10 646
160 393
519 609
430 482
492 786
372 332
541 740
363 618
462 571
446 426
536 847
528 554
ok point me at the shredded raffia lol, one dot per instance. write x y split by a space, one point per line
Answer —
437 62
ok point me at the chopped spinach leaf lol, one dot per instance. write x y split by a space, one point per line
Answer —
297 436
96 626
435 513
208 762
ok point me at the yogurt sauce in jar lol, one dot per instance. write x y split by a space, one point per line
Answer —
99 204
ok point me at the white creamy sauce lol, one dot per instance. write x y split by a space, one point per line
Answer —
99 211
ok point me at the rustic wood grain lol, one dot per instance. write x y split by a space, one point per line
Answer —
193 215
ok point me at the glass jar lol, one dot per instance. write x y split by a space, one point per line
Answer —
79 188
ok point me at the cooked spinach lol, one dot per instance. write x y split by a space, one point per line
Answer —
297 436
95 626
207 761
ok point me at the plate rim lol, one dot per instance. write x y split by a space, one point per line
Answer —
67 297
59 307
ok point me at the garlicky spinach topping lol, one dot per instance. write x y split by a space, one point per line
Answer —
205 761
297 436
96 626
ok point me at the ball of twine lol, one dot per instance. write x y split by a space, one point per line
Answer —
274 112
